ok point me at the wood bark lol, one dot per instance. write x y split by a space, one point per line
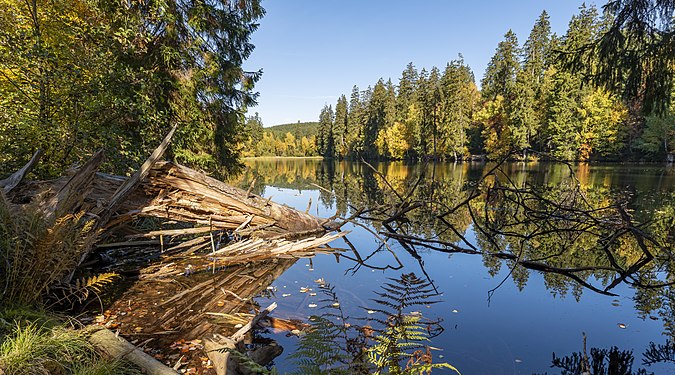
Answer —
118 348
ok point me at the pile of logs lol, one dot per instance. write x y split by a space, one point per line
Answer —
205 224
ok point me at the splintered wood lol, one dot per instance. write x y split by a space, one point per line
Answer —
244 252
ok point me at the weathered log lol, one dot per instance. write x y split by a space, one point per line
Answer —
118 348
130 184
12 181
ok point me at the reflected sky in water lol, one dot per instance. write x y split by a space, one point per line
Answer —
518 329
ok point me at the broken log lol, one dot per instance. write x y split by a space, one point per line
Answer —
118 348
12 181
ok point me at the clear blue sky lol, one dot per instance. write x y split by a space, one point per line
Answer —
312 51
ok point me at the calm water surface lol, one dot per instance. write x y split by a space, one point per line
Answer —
528 317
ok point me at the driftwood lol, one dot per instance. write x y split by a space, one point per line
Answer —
118 348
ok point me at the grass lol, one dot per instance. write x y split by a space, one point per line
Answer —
34 342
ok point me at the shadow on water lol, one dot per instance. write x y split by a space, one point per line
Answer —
578 227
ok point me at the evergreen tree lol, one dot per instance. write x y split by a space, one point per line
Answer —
536 50
527 106
500 74
340 128
407 87
635 53
459 97
375 118
355 122
419 116
324 140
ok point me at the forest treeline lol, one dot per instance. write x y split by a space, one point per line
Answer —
295 139
538 96
77 76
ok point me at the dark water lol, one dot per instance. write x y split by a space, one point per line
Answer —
529 316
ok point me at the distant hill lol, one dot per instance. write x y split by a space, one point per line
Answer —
298 129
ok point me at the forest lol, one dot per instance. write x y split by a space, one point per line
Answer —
552 94
298 139
79 76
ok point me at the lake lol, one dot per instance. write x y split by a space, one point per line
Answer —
495 314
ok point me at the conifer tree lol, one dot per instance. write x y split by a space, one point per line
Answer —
500 75
340 128
324 139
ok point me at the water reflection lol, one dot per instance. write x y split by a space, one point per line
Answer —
561 221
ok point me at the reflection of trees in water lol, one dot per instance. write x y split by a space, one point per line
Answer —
572 225
613 361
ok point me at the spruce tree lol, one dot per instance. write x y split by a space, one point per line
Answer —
500 75
340 127
324 139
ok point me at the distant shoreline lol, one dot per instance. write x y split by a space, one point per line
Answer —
282 157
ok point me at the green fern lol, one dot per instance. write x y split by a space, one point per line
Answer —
330 345
396 345
403 335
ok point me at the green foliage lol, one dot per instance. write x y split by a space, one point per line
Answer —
658 138
500 74
77 76
530 101
634 53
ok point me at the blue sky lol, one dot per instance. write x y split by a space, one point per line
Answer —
312 51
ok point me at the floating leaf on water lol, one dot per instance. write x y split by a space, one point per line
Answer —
336 304
312 305
304 290
320 281
285 295
311 269
622 326
455 311
371 312
312 294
